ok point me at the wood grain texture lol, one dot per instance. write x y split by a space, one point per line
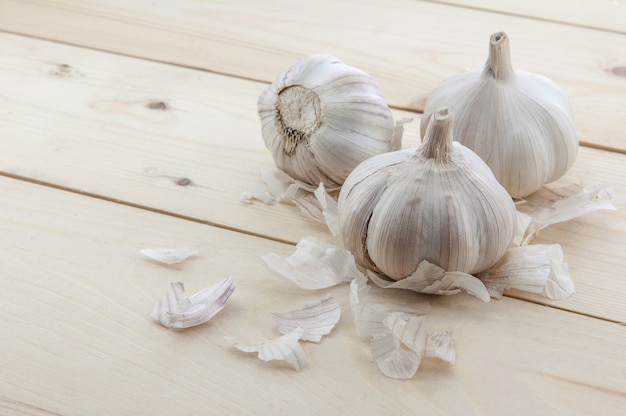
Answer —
609 15
75 296
188 143
115 154
408 46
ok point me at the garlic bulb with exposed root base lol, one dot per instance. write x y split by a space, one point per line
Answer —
520 123
438 203
320 118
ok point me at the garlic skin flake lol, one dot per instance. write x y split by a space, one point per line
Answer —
314 265
168 255
398 338
174 310
399 353
316 319
285 348
368 318
441 346
320 118
430 278
314 203
520 123
564 204
535 268
439 203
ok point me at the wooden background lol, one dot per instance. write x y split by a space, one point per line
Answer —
132 124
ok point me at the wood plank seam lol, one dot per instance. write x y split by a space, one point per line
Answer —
524 16
249 233
141 207
133 56
197 68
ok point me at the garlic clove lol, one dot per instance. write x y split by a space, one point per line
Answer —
520 123
362 192
321 117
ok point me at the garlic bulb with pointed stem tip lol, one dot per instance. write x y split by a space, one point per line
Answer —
439 203
520 123
320 118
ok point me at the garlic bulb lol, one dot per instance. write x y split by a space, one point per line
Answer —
520 123
320 118
439 203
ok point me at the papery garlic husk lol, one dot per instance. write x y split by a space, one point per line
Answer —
285 348
398 338
316 319
314 265
168 255
320 118
174 310
440 203
520 123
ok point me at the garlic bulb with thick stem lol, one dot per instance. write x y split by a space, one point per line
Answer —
438 203
320 118
520 123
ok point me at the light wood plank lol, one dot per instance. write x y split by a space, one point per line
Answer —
408 46
607 15
75 295
87 127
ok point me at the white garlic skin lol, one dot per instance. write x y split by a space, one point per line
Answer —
320 118
399 208
520 123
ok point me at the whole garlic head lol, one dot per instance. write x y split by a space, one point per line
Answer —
440 203
520 123
320 118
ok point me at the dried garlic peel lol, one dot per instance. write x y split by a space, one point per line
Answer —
430 278
168 255
440 345
564 204
537 268
314 203
392 360
398 337
174 310
314 265
280 187
285 348
316 319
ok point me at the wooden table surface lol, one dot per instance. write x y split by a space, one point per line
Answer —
127 124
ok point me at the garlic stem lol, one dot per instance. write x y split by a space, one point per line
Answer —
438 140
499 64
298 115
